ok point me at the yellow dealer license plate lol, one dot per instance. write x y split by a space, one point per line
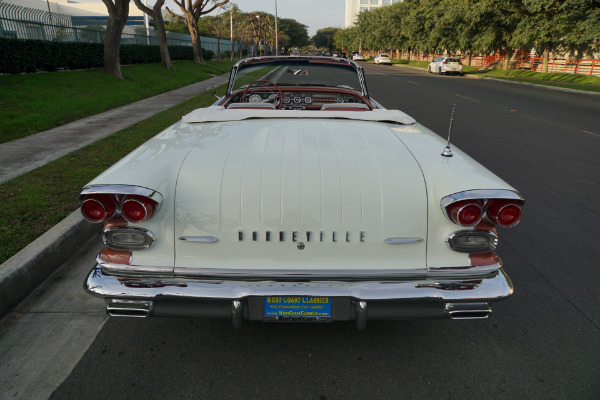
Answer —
297 308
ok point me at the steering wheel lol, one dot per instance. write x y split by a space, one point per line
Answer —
261 89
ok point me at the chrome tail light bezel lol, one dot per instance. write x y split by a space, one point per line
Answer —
482 197
121 193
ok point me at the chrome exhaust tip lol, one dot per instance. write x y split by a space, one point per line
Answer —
468 310
129 308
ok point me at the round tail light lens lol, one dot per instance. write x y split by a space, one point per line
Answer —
137 208
504 213
98 208
465 213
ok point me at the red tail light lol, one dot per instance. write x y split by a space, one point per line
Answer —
465 213
137 208
503 213
99 207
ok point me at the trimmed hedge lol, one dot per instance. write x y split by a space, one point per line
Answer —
22 56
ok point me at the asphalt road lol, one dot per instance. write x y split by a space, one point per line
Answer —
542 343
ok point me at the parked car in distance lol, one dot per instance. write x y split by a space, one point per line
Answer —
296 197
358 57
382 59
446 65
295 53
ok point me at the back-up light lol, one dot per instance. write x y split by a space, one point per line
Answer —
503 213
99 207
137 208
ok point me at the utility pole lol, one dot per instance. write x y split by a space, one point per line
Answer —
276 37
231 29
147 23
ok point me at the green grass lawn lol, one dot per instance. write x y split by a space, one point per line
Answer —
33 203
35 102
572 81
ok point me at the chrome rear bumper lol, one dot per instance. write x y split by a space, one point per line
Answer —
464 298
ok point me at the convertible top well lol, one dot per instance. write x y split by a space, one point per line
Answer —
222 114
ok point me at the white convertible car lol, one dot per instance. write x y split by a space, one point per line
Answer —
297 197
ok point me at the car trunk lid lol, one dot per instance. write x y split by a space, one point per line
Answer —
300 195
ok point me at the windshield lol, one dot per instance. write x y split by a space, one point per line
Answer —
292 72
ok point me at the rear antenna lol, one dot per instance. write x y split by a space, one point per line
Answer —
448 151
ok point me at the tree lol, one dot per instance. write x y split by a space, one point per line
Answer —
159 25
243 32
260 23
118 11
174 25
215 27
296 32
586 35
548 25
192 12
324 38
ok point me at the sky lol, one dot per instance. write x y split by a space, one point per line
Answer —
316 14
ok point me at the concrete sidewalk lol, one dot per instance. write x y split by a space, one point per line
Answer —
20 274
23 155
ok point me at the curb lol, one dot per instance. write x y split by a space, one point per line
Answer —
554 88
21 273
24 271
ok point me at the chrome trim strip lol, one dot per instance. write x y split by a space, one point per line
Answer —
399 240
134 270
480 194
494 288
301 274
149 237
474 270
199 239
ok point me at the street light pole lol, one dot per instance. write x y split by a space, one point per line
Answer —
147 24
276 37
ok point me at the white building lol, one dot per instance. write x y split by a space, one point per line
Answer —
354 7
94 9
